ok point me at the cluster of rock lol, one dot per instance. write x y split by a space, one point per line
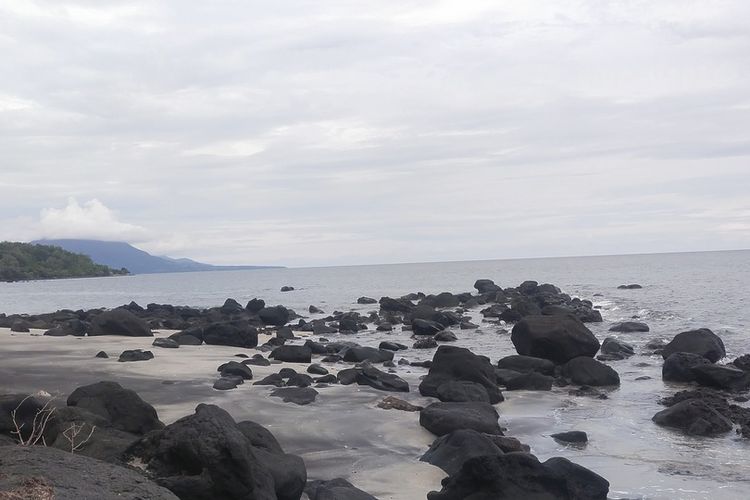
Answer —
480 461
692 357
203 455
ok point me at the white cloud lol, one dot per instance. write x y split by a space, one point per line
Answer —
92 220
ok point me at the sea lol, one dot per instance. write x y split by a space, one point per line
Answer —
681 291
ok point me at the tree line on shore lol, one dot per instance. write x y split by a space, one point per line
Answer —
26 261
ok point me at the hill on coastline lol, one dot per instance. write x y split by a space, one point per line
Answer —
27 261
118 254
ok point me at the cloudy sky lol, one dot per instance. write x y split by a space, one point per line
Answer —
345 132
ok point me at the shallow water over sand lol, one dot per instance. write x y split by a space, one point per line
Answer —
344 434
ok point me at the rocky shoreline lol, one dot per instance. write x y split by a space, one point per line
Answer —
290 356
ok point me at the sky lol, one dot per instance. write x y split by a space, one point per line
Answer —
306 133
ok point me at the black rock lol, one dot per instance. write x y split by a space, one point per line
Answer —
102 354
557 338
633 286
617 348
230 334
510 476
297 395
371 354
165 343
274 379
276 316
576 437
532 381
255 305
486 286
227 383
45 472
584 370
123 408
722 377
443 418
292 354
694 417
186 338
445 336
366 300
678 367
743 362
257 360
335 489
425 327
462 391
207 455
392 346
582 483
449 452
233 368
316 369
527 364
702 341
629 327
459 364
287 288
119 322
285 333
135 355
377 379
231 306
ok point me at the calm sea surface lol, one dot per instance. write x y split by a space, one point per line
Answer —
641 460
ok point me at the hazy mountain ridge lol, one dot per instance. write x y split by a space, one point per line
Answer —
118 254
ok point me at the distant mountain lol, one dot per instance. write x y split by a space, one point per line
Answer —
118 254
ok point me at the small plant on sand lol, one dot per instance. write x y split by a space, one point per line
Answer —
38 425
74 434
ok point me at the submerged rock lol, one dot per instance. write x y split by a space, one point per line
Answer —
629 327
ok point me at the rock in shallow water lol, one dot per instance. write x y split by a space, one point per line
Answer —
557 338
459 364
702 341
694 417
335 489
135 355
588 371
297 395
443 418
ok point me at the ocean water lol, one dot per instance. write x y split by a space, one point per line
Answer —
640 459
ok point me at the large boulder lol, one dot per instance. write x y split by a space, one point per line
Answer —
694 417
617 349
702 341
459 364
557 338
584 370
276 315
122 407
486 286
582 482
40 472
443 418
531 381
119 322
449 452
517 475
207 455
90 434
678 366
231 334
723 377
